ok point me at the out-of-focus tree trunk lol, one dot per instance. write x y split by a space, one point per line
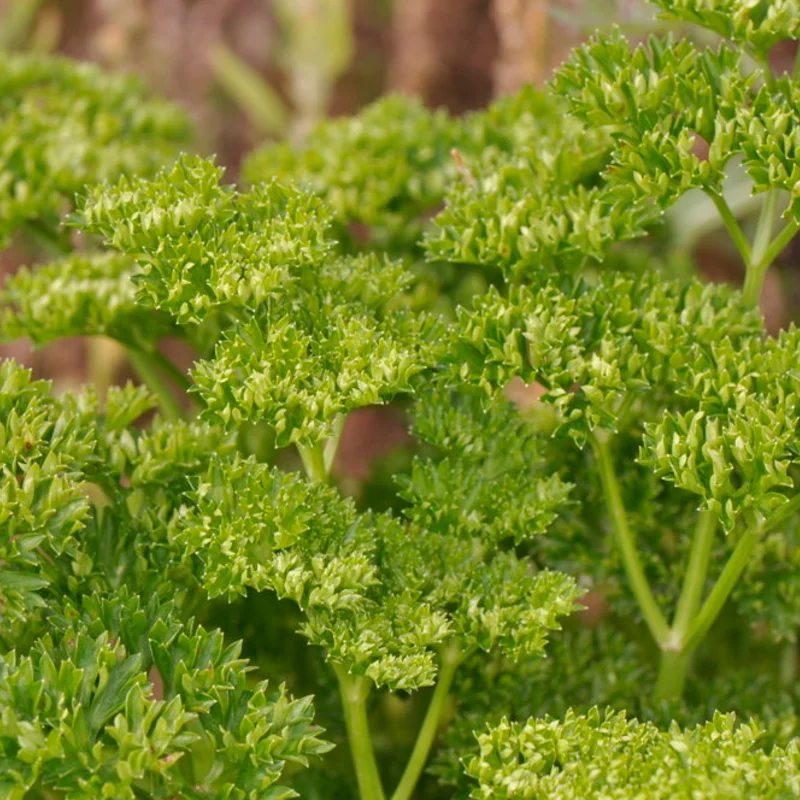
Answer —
532 41
443 52
523 28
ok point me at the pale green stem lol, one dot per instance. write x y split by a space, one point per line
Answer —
177 375
17 21
695 219
765 226
722 589
780 242
756 266
51 241
732 572
313 458
332 445
696 570
451 658
354 691
145 367
765 250
674 659
671 674
753 284
161 361
103 356
732 224
762 59
627 545
317 458
254 95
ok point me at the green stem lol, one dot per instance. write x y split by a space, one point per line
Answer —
145 367
47 238
762 59
732 224
17 22
317 458
764 228
332 445
696 570
765 249
451 658
753 284
672 674
313 458
722 589
354 691
732 572
674 657
627 545
756 266
782 513
177 375
780 242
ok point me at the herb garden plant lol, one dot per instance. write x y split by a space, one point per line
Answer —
180 566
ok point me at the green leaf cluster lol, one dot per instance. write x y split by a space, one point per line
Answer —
758 26
307 335
378 592
85 501
400 174
63 125
80 715
208 237
564 758
631 149
408 158
79 295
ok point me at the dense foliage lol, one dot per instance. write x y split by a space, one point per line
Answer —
182 565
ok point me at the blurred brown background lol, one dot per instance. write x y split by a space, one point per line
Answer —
317 56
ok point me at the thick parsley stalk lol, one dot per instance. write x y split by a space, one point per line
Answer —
727 580
691 628
765 248
675 655
732 571
313 458
146 366
626 542
696 570
354 691
451 658
318 458
730 221
672 640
